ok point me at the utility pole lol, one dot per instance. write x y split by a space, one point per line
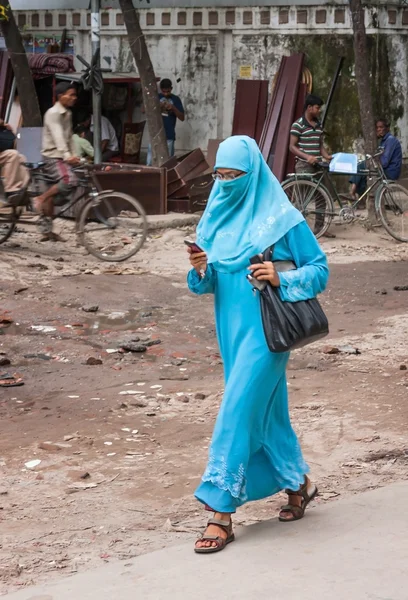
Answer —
96 98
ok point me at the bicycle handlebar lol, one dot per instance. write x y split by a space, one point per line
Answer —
378 152
325 164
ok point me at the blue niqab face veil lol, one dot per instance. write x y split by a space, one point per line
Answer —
244 216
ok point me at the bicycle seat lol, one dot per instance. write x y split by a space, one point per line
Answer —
34 166
323 165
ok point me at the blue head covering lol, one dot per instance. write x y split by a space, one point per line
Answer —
244 216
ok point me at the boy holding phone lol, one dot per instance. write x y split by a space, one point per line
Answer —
172 110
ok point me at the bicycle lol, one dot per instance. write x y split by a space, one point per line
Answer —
110 225
313 195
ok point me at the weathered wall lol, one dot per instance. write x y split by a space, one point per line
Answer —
205 49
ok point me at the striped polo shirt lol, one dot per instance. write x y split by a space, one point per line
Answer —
309 137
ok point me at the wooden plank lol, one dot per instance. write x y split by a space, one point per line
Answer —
212 150
251 100
299 109
293 68
182 192
201 183
262 110
275 86
172 162
272 117
199 192
179 205
172 175
269 134
198 188
175 184
174 187
192 162
198 170
189 162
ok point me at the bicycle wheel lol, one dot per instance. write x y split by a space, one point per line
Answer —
8 220
392 208
313 201
112 226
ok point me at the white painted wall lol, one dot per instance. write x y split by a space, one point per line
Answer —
207 58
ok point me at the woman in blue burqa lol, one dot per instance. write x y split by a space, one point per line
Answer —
254 451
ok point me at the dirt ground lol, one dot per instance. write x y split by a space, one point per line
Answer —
122 444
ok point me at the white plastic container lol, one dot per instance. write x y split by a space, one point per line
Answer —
344 163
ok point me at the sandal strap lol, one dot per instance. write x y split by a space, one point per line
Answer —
295 510
301 491
219 541
226 526
220 523
294 492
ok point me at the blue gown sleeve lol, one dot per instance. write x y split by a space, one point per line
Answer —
312 273
202 285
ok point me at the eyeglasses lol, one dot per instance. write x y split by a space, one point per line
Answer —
226 176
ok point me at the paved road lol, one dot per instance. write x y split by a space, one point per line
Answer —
355 549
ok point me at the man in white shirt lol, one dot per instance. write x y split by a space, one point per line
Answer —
110 144
60 157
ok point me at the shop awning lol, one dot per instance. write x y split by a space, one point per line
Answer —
107 77
48 4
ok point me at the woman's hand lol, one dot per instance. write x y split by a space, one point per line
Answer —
198 260
265 272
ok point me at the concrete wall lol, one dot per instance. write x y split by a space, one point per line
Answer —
205 49
71 4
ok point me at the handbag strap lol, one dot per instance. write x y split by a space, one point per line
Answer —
267 255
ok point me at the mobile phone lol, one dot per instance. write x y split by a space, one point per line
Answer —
193 246
259 285
256 260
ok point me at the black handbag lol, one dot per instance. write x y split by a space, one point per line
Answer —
290 325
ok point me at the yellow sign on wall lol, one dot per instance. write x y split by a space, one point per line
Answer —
245 71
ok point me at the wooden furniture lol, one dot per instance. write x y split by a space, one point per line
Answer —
146 184
131 143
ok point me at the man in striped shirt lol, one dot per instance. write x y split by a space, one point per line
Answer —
306 143
306 137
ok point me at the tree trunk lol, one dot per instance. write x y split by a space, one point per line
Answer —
144 65
30 108
363 86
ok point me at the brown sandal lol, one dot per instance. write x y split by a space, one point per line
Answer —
7 380
298 512
221 542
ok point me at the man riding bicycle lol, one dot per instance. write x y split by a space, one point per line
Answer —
58 150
